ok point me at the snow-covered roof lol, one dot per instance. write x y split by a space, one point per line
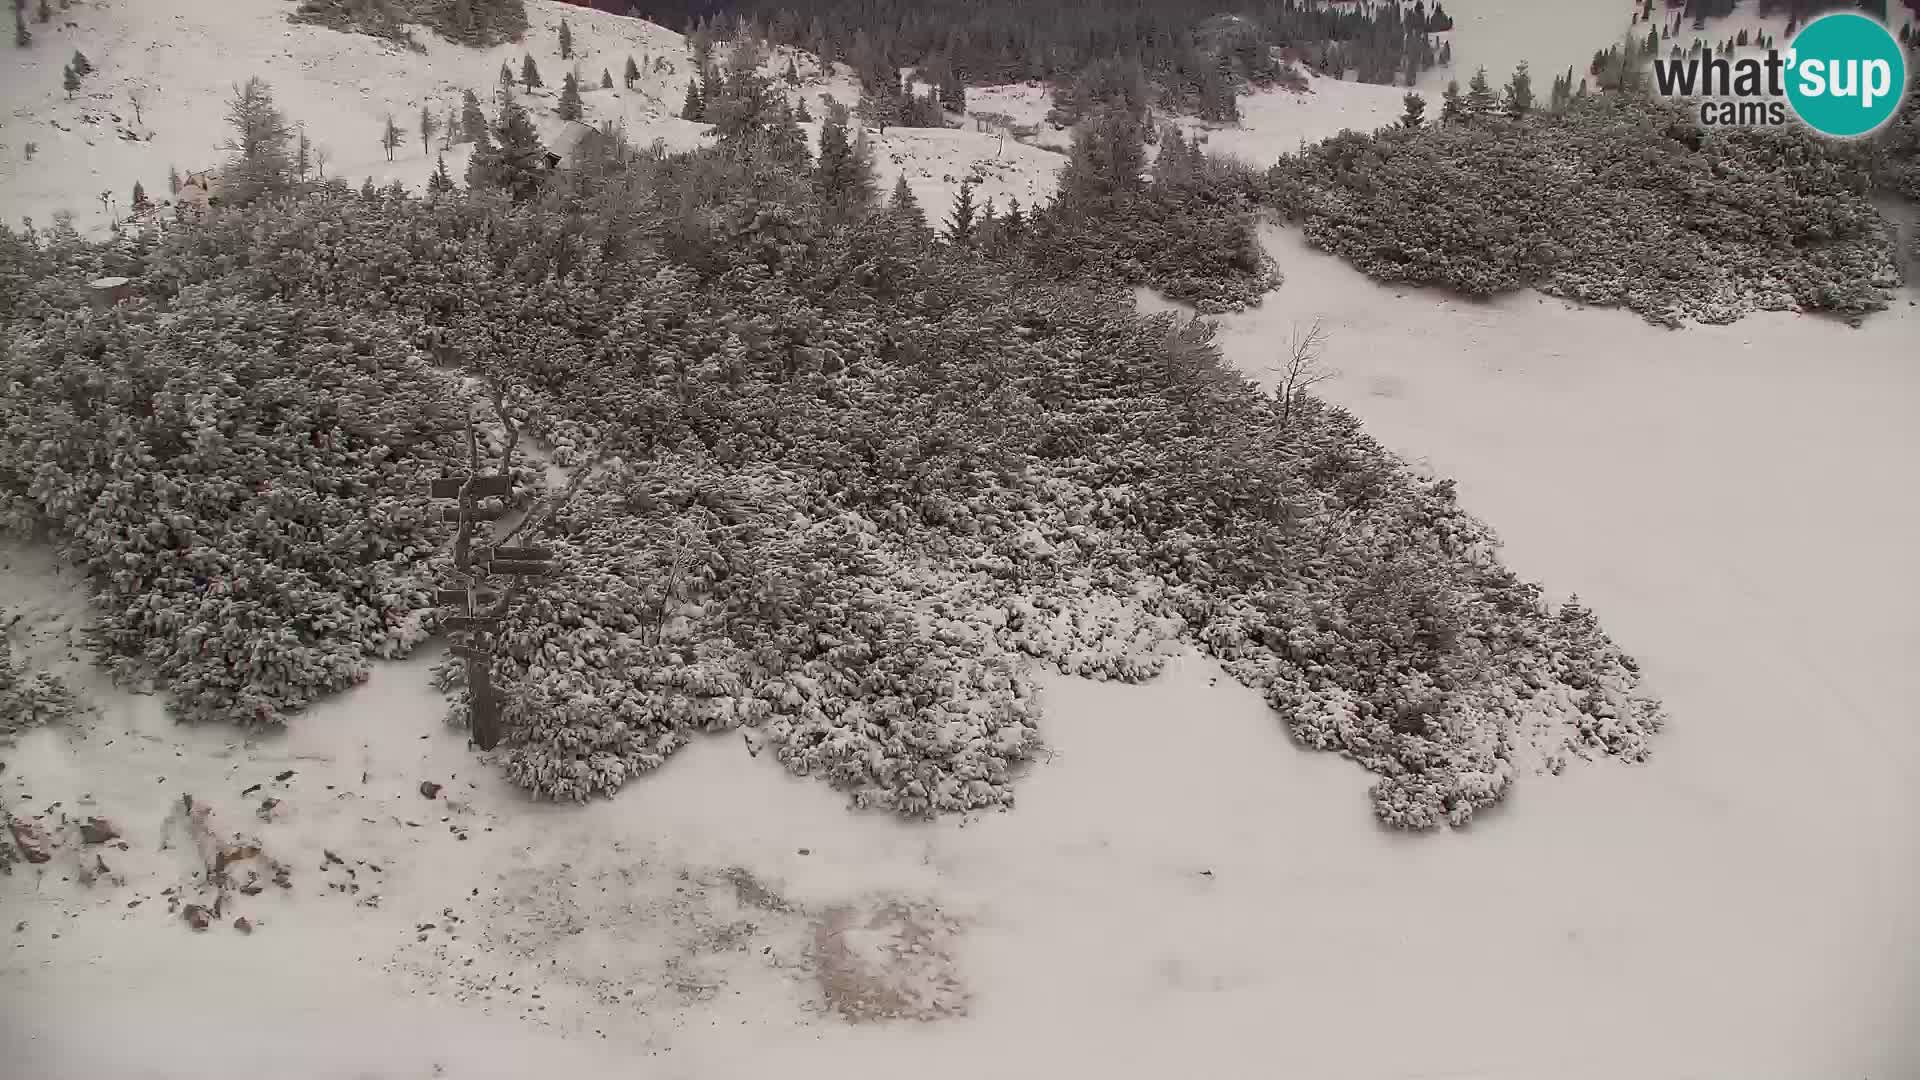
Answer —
572 135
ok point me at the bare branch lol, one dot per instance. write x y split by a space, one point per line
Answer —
1302 369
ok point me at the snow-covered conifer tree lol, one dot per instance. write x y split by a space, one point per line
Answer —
260 163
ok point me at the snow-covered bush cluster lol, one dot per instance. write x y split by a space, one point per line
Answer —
1618 200
1189 233
1895 148
29 698
847 480
243 478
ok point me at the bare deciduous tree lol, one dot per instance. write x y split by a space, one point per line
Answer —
1302 370
137 97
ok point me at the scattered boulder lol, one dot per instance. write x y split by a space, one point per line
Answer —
33 843
197 916
429 789
243 924
98 830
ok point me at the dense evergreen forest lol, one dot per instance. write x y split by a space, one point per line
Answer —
1197 59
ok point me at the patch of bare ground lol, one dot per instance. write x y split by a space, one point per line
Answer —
892 963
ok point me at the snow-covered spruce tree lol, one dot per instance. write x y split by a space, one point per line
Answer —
842 177
473 122
569 107
1415 111
1518 100
1481 102
530 73
259 164
960 223
904 209
512 161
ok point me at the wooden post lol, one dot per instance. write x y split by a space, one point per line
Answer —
480 606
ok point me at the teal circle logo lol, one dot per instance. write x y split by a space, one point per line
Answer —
1846 74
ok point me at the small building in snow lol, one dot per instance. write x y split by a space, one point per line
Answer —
574 137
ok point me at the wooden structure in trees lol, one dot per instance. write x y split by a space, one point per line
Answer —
108 291
481 604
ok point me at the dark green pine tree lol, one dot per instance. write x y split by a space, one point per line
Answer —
70 80
606 79
1107 159
960 223
566 40
904 210
842 177
1416 110
473 122
1519 96
695 108
81 65
1480 98
140 201
514 162
712 90
1013 226
786 143
440 183
570 108
631 74
793 73
529 73
801 113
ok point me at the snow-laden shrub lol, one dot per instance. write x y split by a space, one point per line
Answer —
846 487
29 698
245 484
1618 201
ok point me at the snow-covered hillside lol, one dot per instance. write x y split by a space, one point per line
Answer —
1181 890
181 59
